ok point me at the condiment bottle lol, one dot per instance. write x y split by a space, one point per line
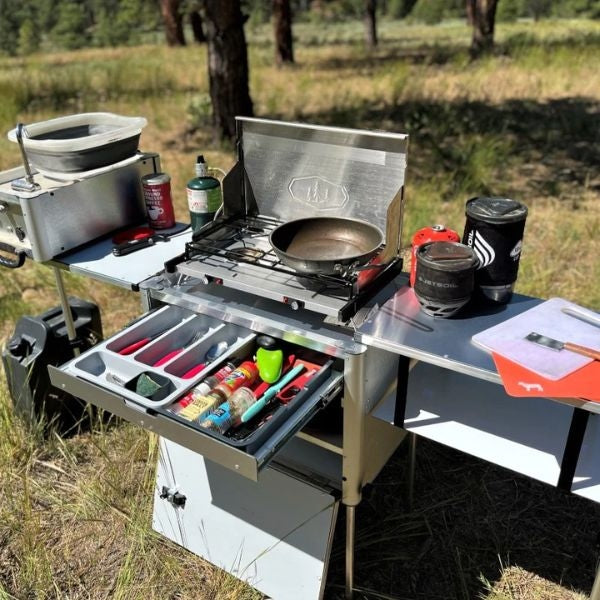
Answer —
213 380
204 196
229 414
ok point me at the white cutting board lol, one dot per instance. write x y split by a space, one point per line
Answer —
508 338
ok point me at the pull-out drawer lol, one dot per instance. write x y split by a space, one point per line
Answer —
144 371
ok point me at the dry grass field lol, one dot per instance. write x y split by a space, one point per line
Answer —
75 513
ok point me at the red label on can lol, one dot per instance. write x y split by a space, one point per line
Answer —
437 233
159 204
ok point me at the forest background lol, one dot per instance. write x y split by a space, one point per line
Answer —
521 121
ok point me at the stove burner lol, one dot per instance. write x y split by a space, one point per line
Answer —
251 255
226 245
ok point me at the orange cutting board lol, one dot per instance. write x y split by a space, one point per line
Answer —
519 381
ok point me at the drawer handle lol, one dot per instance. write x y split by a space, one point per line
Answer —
14 263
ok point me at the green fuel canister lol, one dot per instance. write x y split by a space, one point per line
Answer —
204 196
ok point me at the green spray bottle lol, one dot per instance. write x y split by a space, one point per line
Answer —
204 196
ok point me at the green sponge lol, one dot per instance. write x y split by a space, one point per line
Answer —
146 386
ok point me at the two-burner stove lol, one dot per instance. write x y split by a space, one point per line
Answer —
236 253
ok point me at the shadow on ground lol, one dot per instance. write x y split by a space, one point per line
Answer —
469 519
562 134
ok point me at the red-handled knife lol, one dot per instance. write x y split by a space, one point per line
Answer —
131 348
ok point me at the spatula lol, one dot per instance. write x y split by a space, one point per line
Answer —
548 342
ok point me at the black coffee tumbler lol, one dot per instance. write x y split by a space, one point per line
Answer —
494 229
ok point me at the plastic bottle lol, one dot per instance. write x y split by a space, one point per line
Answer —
244 375
204 196
213 380
229 413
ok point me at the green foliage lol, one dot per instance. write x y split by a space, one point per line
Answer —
398 9
434 11
70 31
429 11
509 10
29 37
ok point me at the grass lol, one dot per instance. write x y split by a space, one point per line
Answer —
75 513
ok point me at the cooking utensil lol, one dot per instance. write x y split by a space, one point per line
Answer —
173 353
271 393
328 244
135 239
292 389
553 344
324 244
585 317
141 343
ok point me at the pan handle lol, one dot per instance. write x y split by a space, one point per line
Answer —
393 230
15 263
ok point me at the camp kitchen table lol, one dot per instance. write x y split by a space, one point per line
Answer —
265 510
451 395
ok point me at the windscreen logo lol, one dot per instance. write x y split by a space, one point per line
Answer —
318 192
484 252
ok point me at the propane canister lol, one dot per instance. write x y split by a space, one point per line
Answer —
435 233
204 196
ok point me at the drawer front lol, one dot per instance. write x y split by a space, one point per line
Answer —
109 376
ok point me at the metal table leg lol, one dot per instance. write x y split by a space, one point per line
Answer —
412 460
350 529
595 593
66 309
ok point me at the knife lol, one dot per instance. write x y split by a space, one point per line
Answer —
548 342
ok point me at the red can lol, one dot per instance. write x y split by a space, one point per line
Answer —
435 233
159 204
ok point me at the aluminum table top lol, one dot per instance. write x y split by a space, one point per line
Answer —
399 325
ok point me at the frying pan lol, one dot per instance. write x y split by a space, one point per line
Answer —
328 244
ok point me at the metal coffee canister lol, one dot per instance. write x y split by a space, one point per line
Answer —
159 204
494 229
445 277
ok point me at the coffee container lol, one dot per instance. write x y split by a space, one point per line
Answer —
494 229
444 278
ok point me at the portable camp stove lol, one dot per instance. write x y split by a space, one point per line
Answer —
236 252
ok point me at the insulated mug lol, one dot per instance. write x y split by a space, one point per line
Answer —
494 229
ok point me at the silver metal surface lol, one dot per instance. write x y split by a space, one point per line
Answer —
350 542
261 315
97 261
62 215
412 464
220 452
275 534
66 310
295 170
595 593
267 284
545 341
27 184
400 326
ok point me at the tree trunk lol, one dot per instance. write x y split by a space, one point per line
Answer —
470 10
484 17
370 23
197 29
282 23
173 21
227 65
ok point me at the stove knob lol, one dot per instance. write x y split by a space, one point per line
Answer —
295 304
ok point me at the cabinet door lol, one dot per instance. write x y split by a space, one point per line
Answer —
274 534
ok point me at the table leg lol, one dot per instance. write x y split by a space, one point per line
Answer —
66 309
350 529
595 593
412 461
